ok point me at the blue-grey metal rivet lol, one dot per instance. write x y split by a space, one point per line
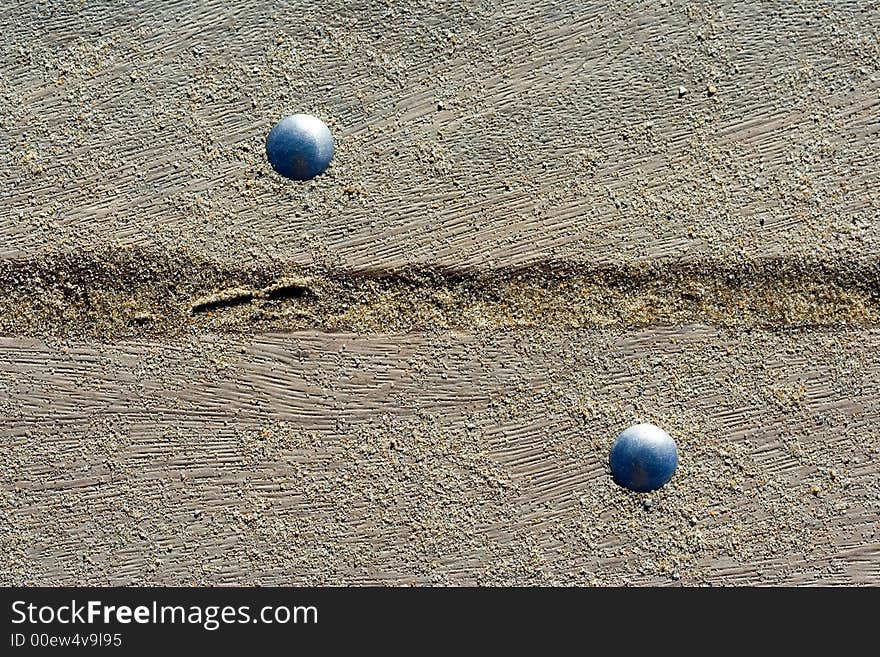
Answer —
300 147
643 458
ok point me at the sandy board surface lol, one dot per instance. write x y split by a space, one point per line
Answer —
467 132
307 458
664 211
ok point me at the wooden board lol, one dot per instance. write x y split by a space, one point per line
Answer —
311 458
481 133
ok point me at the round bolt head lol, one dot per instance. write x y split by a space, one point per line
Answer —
300 147
643 458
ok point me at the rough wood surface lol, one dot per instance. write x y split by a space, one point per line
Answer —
309 458
159 425
468 132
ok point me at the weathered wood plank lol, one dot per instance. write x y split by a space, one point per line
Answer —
468 132
446 458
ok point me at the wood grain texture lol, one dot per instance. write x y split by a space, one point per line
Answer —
456 458
471 135
468 132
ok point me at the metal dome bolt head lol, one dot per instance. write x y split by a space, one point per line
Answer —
643 458
300 147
